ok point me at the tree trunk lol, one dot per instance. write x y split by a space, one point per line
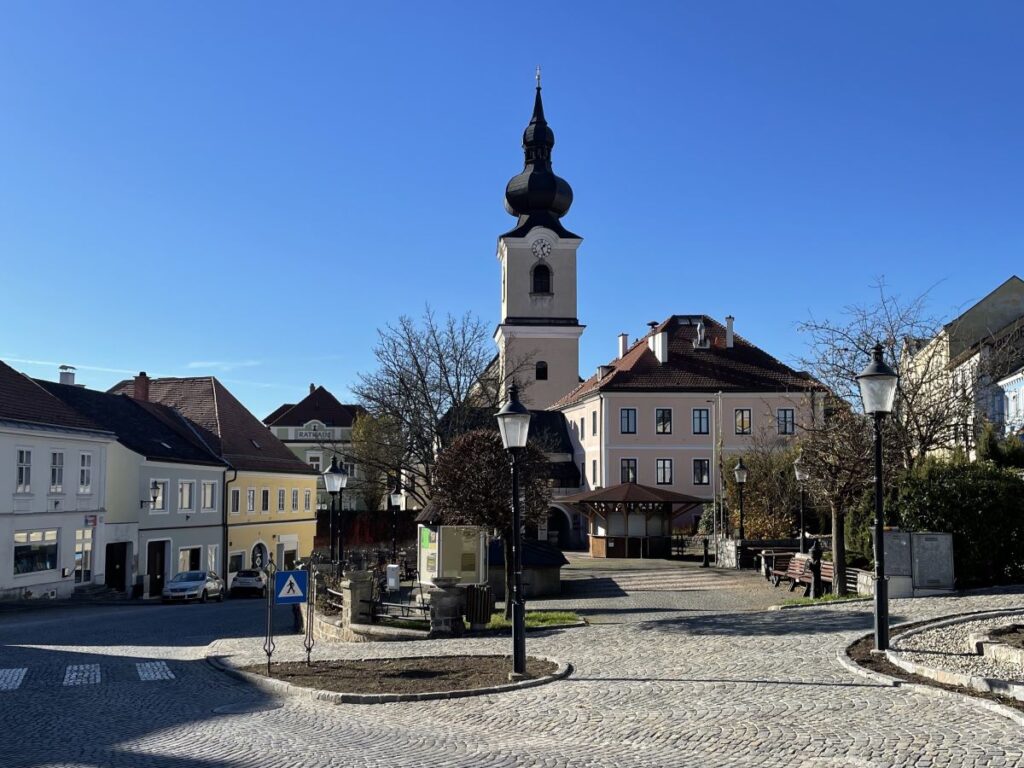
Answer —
839 551
506 542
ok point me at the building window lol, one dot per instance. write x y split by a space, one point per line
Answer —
85 474
24 471
250 500
56 472
593 423
583 474
305 501
35 551
593 471
742 421
628 470
186 489
235 562
315 460
627 421
541 279
280 500
295 499
663 469
701 421
663 421
541 371
786 420
236 501
702 472
583 427
265 500
83 555
159 504
210 496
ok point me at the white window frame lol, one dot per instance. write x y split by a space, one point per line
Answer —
295 499
44 536
250 501
306 500
56 472
85 472
191 484
212 486
317 456
280 500
659 464
264 501
235 501
23 472
163 484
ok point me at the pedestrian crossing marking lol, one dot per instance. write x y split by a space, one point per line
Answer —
10 679
82 674
154 670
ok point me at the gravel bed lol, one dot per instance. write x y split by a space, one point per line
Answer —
947 648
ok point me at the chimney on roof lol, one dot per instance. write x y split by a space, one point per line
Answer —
604 370
312 387
623 344
652 324
658 344
141 388
728 331
67 374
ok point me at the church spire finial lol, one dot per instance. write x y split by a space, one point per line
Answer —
538 77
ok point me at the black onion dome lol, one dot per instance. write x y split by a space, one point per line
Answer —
537 195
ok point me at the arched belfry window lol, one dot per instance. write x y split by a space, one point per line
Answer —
541 279
541 371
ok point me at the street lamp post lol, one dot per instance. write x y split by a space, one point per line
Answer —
395 499
335 480
740 472
878 391
801 478
514 424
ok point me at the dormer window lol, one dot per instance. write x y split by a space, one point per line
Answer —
541 371
541 279
255 444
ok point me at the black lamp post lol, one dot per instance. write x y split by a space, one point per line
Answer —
514 424
395 500
335 480
740 472
801 478
878 391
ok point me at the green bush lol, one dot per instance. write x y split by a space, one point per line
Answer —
981 504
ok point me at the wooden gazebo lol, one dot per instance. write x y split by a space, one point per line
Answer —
631 520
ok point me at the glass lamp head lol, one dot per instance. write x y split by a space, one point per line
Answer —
513 421
877 384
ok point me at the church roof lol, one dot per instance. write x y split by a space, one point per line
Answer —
538 196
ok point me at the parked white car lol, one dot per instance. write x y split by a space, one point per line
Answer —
251 581
193 585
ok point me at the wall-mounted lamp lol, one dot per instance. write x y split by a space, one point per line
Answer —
154 492
56 503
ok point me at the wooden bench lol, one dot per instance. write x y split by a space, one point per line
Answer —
793 570
774 559
828 572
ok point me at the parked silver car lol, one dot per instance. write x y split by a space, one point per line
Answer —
250 580
193 585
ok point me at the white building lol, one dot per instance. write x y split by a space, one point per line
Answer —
52 492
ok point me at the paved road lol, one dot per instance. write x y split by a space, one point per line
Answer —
666 679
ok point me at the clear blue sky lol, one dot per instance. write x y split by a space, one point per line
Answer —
252 189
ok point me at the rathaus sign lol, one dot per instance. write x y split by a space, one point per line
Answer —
315 432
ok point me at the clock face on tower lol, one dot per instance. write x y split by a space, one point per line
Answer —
541 247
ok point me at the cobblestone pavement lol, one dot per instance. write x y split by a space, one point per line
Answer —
947 648
668 679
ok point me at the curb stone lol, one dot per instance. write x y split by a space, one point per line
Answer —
269 685
842 656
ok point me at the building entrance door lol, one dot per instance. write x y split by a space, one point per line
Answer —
117 559
156 563
83 555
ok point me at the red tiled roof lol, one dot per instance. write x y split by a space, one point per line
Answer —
742 368
223 422
22 399
318 404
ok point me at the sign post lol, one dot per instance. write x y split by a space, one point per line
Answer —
268 643
310 603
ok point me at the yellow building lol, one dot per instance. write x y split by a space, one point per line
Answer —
269 501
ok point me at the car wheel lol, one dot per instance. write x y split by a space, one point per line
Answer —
202 597
220 596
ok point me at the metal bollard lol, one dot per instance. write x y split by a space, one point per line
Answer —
706 562
815 568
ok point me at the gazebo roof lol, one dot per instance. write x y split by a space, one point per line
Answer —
632 495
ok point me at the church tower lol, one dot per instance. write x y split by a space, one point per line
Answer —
539 334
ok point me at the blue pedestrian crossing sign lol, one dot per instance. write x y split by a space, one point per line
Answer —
291 587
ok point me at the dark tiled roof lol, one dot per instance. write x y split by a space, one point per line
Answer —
631 493
22 399
231 431
137 427
548 429
318 404
743 368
